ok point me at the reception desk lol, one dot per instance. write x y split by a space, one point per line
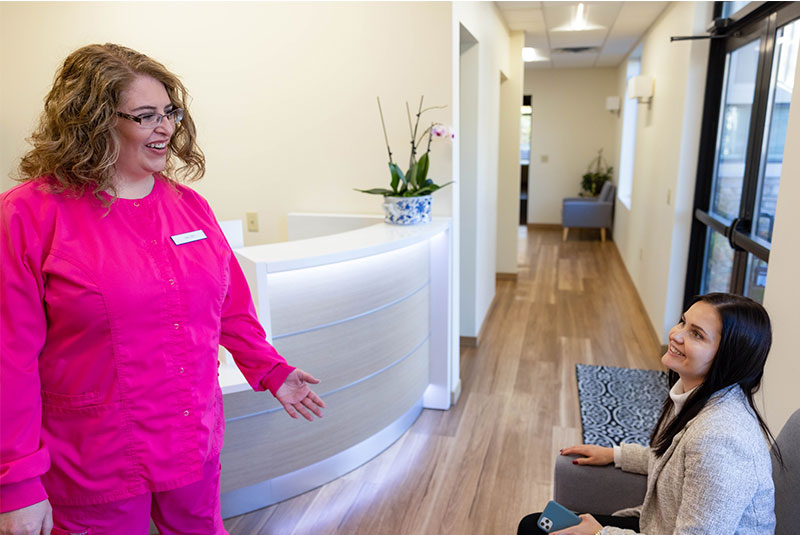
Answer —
368 312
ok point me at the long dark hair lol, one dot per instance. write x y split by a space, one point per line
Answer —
744 344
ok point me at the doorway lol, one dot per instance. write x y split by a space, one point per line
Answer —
526 123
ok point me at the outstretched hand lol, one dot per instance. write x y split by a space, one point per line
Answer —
594 455
295 395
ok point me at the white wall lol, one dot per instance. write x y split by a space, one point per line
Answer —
653 236
509 172
468 127
283 93
782 294
570 124
484 22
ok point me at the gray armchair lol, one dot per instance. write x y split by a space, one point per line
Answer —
605 489
586 212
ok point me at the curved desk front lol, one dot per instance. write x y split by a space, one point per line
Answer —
368 313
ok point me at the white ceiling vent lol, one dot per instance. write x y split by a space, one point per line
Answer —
575 49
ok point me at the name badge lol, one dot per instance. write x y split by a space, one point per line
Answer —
188 237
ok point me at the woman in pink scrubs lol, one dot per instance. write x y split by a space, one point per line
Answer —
118 287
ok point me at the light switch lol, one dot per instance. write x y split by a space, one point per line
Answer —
252 221
544 158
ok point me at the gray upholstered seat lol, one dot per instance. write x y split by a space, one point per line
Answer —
787 480
588 212
605 489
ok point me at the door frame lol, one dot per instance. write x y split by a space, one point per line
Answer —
754 21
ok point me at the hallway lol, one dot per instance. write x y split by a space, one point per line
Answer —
481 466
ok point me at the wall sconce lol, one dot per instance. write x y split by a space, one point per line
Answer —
612 105
641 88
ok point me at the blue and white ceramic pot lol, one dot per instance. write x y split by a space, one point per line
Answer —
407 210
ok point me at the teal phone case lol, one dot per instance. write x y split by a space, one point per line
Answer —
555 517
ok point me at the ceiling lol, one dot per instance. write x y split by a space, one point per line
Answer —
611 31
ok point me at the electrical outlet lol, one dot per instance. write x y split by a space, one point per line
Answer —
252 221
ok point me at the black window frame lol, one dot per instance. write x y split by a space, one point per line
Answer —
755 20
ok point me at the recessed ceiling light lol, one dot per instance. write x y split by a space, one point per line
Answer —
578 22
531 54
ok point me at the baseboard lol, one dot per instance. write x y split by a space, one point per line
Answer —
505 276
545 226
468 341
455 394
475 341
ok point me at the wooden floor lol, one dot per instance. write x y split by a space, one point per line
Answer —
488 461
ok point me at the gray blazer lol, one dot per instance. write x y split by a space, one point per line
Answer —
715 478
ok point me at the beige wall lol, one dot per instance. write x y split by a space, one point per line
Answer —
780 389
653 235
570 124
479 196
283 93
508 186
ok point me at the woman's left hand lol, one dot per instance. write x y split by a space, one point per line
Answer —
588 526
295 395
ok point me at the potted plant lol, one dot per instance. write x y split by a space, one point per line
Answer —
596 175
408 202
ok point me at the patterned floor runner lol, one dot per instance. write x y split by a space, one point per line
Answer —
619 404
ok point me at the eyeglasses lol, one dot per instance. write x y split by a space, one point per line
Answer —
152 120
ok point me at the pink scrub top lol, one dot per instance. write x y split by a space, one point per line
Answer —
110 327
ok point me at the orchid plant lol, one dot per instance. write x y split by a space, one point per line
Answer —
415 181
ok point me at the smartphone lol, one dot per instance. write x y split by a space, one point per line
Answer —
555 517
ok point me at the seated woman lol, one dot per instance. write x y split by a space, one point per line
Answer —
708 467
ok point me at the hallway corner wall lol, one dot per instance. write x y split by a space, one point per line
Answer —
478 215
508 183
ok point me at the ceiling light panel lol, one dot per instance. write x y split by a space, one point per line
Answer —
532 54
559 14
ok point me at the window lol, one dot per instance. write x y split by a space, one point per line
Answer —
525 136
630 115
751 73
729 8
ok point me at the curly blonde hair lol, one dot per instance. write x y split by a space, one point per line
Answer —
76 141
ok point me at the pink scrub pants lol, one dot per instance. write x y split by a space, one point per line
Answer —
190 510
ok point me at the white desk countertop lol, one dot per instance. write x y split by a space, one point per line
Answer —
285 256
299 254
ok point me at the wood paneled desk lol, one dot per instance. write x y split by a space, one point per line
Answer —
369 313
